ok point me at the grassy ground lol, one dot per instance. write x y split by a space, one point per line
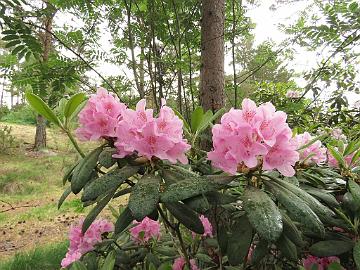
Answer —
30 185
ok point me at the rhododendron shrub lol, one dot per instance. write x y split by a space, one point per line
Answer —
253 136
260 199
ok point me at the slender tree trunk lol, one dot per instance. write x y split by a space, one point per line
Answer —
212 55
40 134
233 51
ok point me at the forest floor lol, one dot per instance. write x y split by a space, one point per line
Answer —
30 186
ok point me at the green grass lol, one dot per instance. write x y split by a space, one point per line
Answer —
43 258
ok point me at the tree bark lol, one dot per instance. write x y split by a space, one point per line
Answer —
40 135
212 55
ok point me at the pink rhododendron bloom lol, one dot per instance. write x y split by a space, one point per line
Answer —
250 135
208 229
333 162
321 263
337 134
314 153
100 116
293 94
145 230
82 243
180 262
160 137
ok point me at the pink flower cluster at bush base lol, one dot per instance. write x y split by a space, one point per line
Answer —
314 153
293 94
208 229
145 230
321 263
161 137
100 116
250 135
82 243
179 264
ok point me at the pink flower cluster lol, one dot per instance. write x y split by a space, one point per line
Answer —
321 263
104 116
149 136
338 134
82 243
180 262
293 94
208 229
253 135
100 116
334 163
145 230
314 153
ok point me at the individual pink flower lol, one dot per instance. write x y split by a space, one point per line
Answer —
208 229
246 137
100 116
180 262
145 230
160 137
321 263
82 243
314 153
338 134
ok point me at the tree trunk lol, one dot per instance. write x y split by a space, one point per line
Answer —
40 135
212 55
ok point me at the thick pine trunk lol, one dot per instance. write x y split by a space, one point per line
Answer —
212 55
40 135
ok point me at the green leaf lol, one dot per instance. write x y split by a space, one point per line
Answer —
334 266
186 124
355 158
287 248
68 174
12 43
42 108
72 104
96 211
82 172
336 154
10 37
64 196
239 241
291 231
330 248
109 262
297 209
198 204
78 265
106 159
187 188
17 49
263 214
204 258
107 182
355 191
144 196
260 251
322 195
196 118
351 148
185 216
123 221
356 254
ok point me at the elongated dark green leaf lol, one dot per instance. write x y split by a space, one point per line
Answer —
263 214
355 158
83 171
171 177
322 195
330 248
96 211
123 221
196 118
260 251
298 210
351 148
106 159
68 174
144 196
198 204
287 248
320 209
42 108
78 265
73 103
186 189
355 191
107 182
239 241
356 254
185 216
64 196
291 231
186 124
109 262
